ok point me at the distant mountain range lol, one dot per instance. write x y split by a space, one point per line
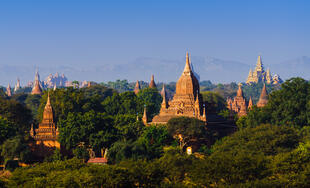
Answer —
214 69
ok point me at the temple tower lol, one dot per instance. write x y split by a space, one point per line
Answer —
263 99
145 118
164 104
152 83
250 105
8 91
137 88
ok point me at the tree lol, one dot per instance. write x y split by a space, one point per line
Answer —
288 106
185 129
7 130
154 138
94 129
17 114
16 147
152 99
215 102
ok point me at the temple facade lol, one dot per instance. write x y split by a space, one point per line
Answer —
260 75
187 100
47 132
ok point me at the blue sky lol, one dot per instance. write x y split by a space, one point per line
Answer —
89 33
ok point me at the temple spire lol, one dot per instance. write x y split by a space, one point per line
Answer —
163 94
259 64
36 90
239 92
187 69
8 91
250 103
152 83
263 99
137 87
144 118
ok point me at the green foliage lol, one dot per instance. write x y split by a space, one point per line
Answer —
124 103
215 102
16 147
152 99
128 127
33 102
153 139
7 130
17 114
185 129
92 128
287 106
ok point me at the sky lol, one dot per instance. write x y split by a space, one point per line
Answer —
86 33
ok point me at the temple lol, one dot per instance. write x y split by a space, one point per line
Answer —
238 104
260 75
187 100
36 90
47 132
263 99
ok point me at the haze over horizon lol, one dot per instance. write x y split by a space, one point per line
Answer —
82 38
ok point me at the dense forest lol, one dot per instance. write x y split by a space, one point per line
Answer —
271 147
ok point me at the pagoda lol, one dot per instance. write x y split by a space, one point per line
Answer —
47 132
187 100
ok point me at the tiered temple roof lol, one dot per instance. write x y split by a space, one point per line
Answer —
187 100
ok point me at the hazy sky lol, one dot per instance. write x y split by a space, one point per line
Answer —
89 32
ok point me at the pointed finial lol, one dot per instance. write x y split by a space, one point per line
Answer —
187 69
